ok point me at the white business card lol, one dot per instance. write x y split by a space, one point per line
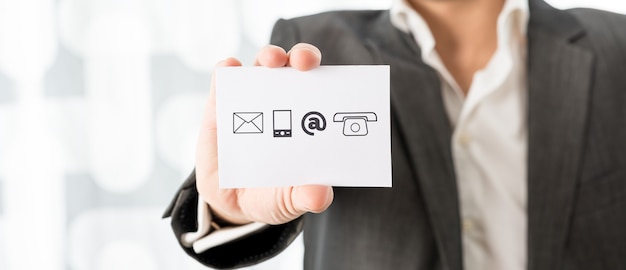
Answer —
284 127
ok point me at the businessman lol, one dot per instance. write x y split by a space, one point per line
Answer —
508 146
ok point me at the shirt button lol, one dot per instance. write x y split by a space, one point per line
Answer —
468 225
464 139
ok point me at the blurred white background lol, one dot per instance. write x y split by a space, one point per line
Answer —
99 109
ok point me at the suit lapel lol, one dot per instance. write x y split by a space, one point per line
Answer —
559 81
419 116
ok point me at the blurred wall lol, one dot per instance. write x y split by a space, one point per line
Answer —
99 109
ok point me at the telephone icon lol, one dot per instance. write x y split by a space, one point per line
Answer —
355 123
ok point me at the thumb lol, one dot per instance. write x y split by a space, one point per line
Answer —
312 198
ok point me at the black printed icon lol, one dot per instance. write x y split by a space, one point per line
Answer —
282 123
248 122
313 121
355 123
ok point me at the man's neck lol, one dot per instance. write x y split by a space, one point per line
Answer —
465 32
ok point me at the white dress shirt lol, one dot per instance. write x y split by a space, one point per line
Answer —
489 146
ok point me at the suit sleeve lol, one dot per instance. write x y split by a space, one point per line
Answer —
250 249
284 34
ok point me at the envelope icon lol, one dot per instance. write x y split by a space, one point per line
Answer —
247 122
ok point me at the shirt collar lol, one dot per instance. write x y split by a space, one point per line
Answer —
405 18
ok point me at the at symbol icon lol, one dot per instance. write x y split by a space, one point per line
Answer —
313 121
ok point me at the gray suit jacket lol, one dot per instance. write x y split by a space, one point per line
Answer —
576 162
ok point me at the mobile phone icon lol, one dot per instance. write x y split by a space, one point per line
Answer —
282 123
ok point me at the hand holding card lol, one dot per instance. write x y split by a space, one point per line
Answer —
266 205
